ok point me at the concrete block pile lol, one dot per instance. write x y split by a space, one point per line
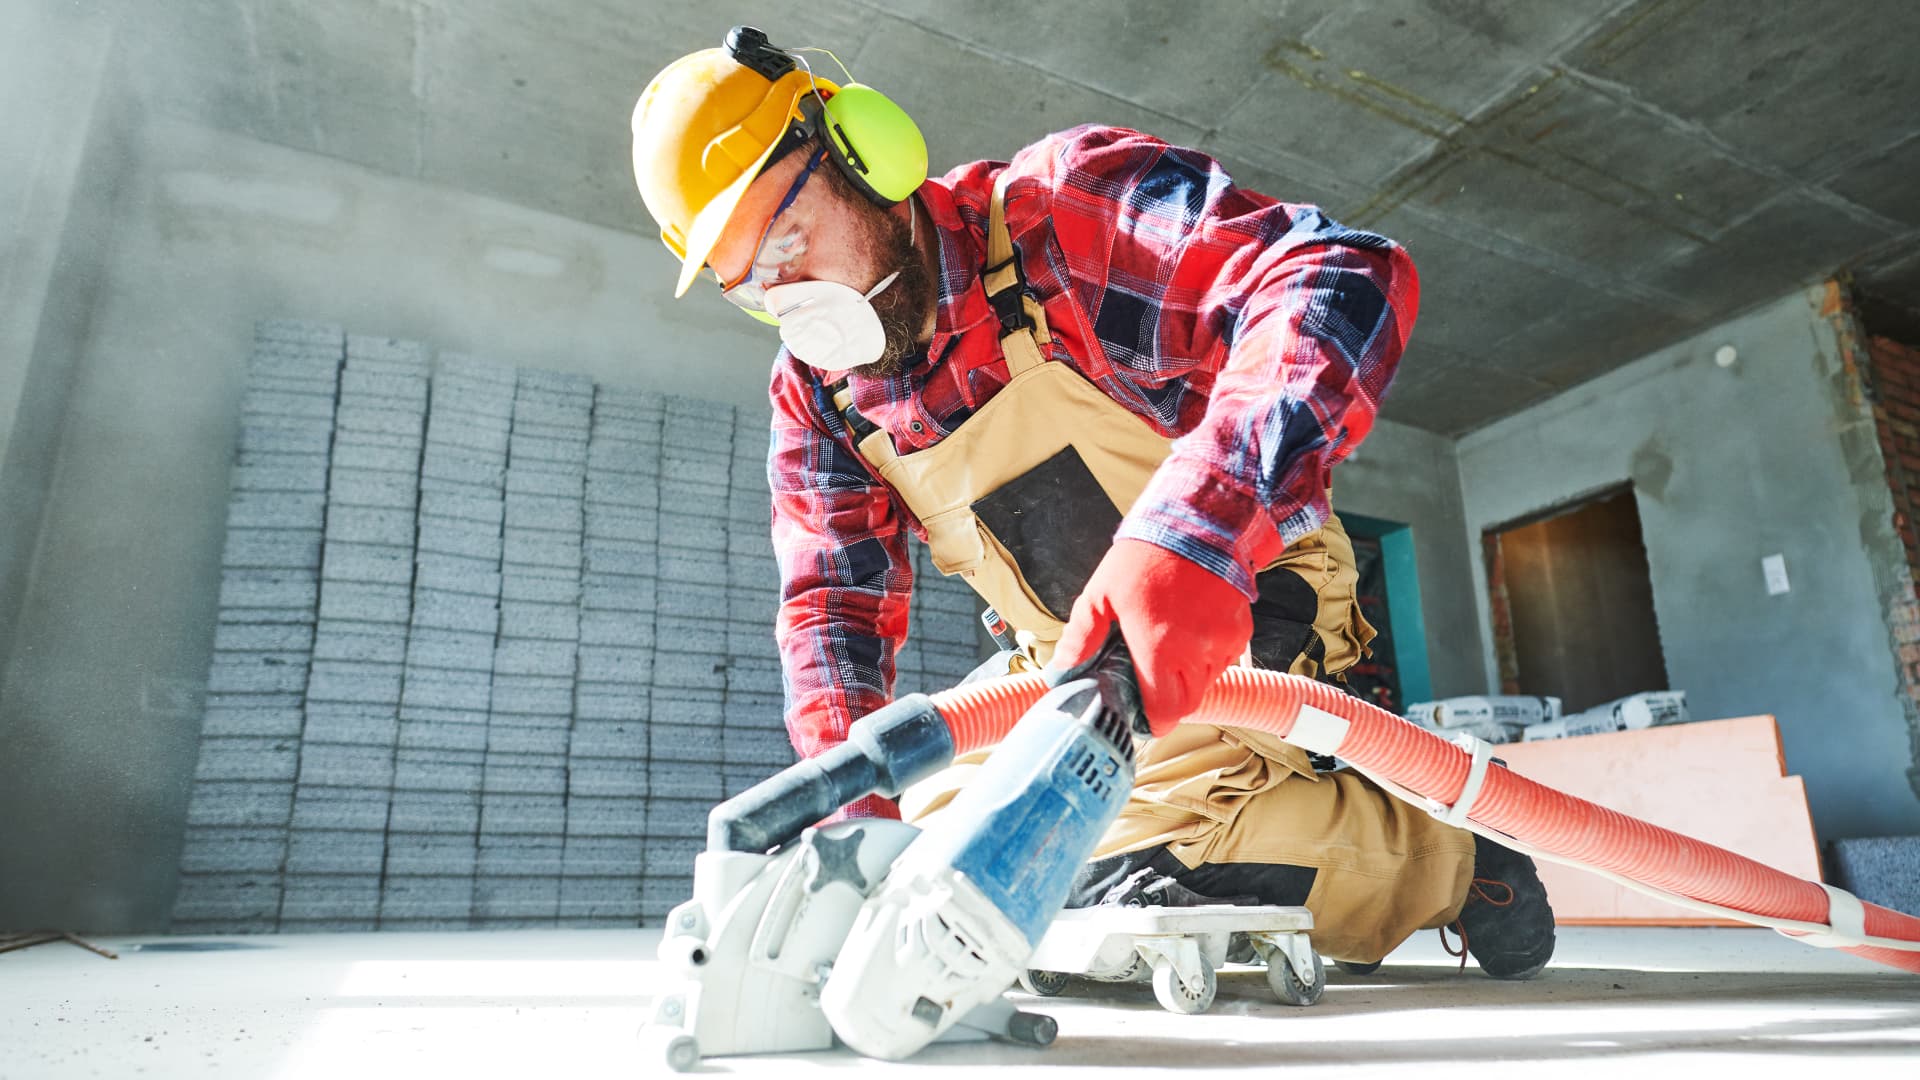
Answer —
337 843
1884 870
434 821
754 734
685 739
605 851
232 866
491 645
941 643
523 789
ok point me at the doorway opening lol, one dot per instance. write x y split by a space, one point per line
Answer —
1573 603
1395 673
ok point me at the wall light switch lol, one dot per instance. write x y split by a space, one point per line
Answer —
1775 568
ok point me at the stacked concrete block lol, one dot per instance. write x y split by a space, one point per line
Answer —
523 788
943 635
686 736
756 744
488 656
604 853
433 827
338 843
236 838
940 648
909 660
1882 870
685 781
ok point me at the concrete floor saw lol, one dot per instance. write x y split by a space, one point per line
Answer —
888 937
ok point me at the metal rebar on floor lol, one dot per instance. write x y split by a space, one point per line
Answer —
13 942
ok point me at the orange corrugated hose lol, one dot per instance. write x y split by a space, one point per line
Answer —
1552 821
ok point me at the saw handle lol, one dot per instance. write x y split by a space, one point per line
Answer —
886 750
1111 668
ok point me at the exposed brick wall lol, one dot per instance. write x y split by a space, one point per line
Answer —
1894 375
1501 606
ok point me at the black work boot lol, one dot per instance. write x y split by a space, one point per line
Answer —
1507 923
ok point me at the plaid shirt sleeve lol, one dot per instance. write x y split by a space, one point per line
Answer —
1288 325
846 578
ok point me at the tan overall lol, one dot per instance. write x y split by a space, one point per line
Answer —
1212 794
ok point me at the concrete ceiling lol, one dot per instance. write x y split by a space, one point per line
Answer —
1579 181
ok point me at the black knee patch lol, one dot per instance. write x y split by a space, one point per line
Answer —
1153 878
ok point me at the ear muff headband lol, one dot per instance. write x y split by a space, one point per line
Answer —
873 142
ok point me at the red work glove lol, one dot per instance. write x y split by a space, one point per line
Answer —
871 806
1183 624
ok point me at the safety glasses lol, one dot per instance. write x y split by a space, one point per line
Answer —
776 256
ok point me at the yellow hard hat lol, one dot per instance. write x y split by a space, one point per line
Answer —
702 130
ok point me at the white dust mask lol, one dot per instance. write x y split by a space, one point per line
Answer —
828 325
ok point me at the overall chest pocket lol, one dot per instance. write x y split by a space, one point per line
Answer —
1057 522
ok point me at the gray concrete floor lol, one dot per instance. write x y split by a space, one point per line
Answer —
567 1003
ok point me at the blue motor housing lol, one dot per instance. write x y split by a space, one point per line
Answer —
1030 817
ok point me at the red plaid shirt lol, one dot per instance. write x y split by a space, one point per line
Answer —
1259 334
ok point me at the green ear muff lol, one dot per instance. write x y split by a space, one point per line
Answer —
875 143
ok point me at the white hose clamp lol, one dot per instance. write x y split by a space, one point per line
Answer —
1456 815
1846 922
1318 731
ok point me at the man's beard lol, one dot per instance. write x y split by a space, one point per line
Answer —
903 306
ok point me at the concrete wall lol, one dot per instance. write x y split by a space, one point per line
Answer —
99 707
61 139
1773 454
1412 476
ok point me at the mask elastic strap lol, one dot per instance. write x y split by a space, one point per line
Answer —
884 282
913 231
870 294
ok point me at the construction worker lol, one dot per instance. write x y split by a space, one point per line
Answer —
1105 385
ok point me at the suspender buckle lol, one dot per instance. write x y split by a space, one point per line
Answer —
1009 300
841 394
1013 317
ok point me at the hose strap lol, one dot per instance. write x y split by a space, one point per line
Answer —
1846 921
1456 815
1318 731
